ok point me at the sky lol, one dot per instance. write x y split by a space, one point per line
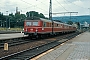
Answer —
42 6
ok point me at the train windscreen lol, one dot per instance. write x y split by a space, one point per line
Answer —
28 23
35 23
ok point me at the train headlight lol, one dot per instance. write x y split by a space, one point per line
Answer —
36 30
42 28
26 29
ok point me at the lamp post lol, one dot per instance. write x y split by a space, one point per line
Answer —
89 11
1 23
6 19
4 23
9 23
17 23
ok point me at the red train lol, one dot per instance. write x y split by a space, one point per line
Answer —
41 27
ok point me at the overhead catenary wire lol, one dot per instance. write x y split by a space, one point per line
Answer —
33 5
61 5
76 4
42 3
68 5
36 7
30 5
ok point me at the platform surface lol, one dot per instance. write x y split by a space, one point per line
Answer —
13 35
77 48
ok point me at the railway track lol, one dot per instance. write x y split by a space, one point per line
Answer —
14 41
36 50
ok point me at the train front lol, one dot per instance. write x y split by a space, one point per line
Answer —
32 27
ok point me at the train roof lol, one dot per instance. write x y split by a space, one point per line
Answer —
33 18
46 20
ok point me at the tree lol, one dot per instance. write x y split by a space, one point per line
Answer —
17 16
70 22
34 14
78 24
2 19
17 20
41 15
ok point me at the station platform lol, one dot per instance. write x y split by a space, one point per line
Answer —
9 32
77 48
13 35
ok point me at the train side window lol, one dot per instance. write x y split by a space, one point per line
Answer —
28 23
57 25
54 24
60 26
50 24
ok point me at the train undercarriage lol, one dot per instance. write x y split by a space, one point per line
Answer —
45 35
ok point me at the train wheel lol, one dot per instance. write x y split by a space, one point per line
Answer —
37 36
40 36
30 37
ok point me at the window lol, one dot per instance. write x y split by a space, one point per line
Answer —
49 24
57 25
35 23
44 24
28 23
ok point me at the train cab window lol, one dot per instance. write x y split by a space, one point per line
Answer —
28 23
44 24
35 23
